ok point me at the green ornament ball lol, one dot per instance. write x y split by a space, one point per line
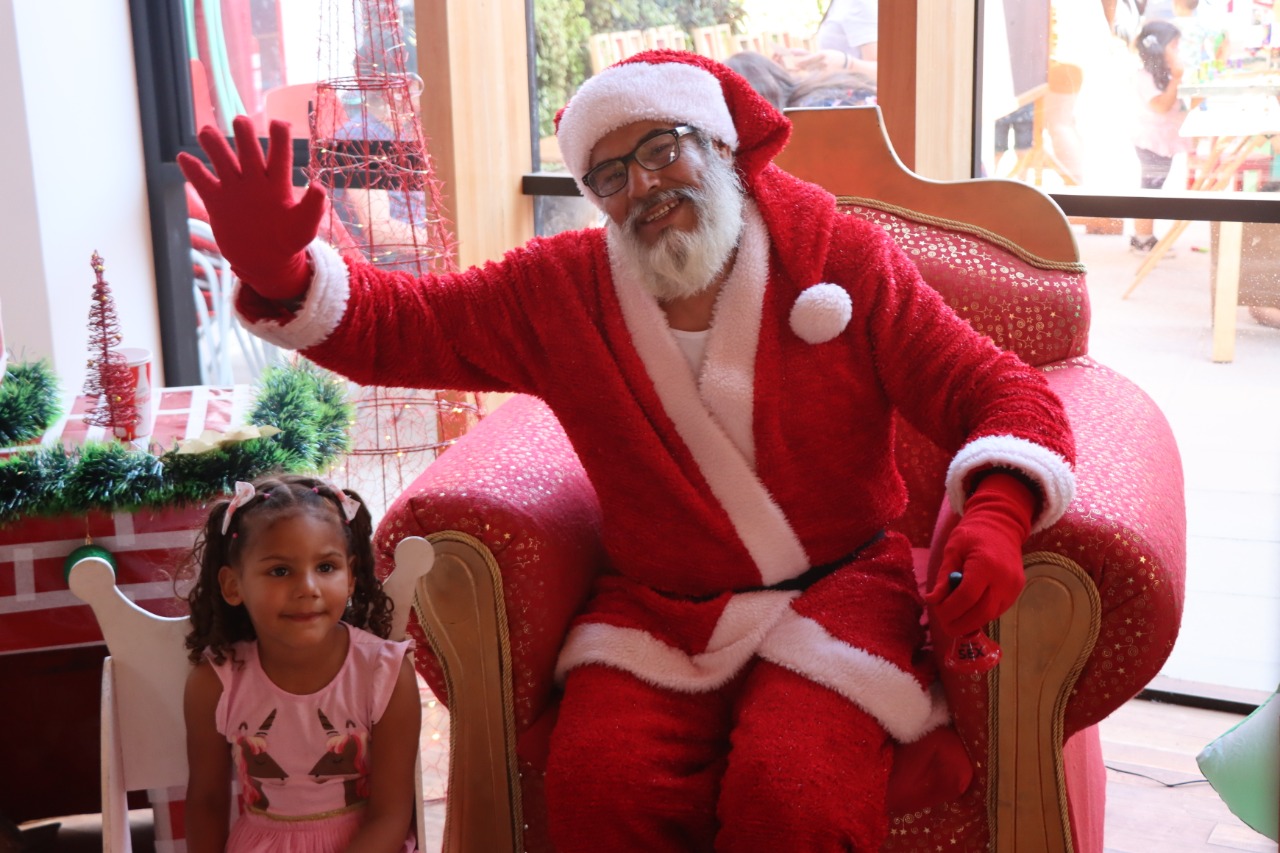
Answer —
87 551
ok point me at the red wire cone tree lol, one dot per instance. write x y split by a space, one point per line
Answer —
369 151
367 144
108 380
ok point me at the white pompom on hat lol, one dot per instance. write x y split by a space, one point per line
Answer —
675 86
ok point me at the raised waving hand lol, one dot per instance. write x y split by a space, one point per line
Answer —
260 228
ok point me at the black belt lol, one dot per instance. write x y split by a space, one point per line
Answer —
812 575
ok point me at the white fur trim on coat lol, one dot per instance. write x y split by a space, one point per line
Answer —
821 313
738 633
761 524
641 91
728 377
322 308
1047 469
907 710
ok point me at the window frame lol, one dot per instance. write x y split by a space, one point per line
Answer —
1143 204
1167 204
167 115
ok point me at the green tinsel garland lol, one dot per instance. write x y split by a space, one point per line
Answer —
28 402
307 404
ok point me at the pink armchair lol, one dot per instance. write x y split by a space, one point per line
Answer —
515 525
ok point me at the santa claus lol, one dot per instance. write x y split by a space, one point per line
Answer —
725 354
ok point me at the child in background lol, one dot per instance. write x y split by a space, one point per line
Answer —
1159 116
295 686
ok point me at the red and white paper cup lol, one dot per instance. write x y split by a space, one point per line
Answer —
139 361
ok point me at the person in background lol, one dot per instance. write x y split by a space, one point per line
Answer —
1204 37
1020 124
1124 17
816 89
833 89
1159 115
771 80
847 39
1079 38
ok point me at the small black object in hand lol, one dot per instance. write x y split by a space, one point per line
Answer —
953 580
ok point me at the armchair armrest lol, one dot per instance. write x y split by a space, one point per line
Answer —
1097 619
511 500
1125 532
1126 528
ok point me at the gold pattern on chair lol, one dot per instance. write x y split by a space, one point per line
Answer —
1035 307
938 223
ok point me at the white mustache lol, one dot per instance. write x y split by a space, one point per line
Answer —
665 197
681 263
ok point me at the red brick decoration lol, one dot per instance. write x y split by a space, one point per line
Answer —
37 610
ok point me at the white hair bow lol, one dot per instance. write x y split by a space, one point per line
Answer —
350 506
244 493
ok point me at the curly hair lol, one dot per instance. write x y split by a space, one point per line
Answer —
215 624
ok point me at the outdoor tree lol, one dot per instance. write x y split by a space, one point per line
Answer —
560 33
562 29
108 380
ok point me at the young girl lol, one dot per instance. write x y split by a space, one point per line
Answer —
295 687
1159 115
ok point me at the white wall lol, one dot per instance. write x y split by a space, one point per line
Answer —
74 180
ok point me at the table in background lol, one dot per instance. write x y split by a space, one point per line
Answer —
1238 117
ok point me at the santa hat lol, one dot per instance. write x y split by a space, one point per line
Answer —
671 85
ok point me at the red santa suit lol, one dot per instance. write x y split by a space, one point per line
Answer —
744 507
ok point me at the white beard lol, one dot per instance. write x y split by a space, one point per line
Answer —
684 263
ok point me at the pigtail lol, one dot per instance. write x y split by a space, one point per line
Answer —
370 607
215 624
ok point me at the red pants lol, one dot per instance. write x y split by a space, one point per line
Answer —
769 762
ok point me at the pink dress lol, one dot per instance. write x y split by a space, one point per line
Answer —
303 761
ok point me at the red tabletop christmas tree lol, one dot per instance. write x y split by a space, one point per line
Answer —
109 379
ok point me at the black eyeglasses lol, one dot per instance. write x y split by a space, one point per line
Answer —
656 151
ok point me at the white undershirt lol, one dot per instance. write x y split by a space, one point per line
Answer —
694 347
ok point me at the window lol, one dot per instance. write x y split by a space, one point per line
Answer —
262 58
818 53
1172 180
201 63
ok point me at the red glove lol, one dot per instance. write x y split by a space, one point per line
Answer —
986 547
260 229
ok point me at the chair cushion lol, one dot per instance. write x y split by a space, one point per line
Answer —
1036 308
